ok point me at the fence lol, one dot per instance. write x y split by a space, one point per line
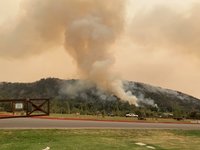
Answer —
13 108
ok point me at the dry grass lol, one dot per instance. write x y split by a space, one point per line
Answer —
116 118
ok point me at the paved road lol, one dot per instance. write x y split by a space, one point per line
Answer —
35 123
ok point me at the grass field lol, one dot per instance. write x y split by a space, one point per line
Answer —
117 118
99 139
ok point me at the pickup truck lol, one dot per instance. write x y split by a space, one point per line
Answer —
131 115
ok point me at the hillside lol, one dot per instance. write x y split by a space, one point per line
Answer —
89 97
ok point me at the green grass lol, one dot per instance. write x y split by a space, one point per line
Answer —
99 139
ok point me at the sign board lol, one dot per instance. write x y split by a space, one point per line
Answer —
19 106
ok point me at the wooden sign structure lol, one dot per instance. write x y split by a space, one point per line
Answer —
25 107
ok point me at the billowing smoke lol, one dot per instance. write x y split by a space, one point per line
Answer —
147 101
169 28
86 28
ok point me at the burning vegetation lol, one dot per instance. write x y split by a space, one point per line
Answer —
92 100
87 29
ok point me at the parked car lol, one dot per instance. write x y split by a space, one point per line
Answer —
131 115
111 114
178 118
142 118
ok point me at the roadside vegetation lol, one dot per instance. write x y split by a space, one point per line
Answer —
118 118
99 139
90 103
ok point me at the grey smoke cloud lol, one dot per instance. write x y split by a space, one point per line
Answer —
164 27
41 25
86 28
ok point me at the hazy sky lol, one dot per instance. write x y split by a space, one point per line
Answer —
160 46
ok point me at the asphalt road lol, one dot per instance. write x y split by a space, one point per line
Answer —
35 123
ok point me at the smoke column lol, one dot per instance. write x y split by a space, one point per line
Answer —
86 28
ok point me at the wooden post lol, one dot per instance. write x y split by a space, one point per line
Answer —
48 107
27 101
13 112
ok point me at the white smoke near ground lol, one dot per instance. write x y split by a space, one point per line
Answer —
132 87
73 89
141 98
86 28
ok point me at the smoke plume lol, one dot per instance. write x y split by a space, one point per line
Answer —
86 28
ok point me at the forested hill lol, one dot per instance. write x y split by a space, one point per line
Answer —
73 92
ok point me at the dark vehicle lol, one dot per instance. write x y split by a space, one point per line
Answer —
142 118
179 118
